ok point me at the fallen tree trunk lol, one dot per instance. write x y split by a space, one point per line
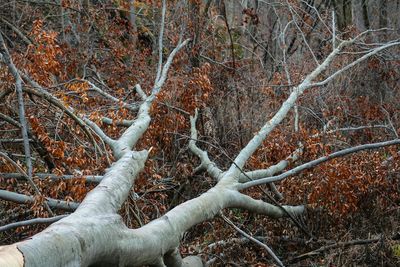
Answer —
95 235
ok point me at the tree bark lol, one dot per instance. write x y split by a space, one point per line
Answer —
95 235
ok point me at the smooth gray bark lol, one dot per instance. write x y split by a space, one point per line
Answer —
96 235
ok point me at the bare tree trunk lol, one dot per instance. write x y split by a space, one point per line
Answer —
383 15
364 5
358 15
343 10
132 21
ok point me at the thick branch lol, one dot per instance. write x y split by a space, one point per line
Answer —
166 67
256 141
115 186
260 207
140 92
110 121
280 166
100 132
131 136
206 163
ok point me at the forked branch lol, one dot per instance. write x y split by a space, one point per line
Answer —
307 83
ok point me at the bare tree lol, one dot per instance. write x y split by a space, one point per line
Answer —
95 235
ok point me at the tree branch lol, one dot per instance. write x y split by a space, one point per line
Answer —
131 136
53 177
167 64
260 207
10 120
333 246
28 178
366 56
280 166
31 222
112 98
23 199
270 252
109 141
21 106
110 121
318 161
40 92
206 164
23 36
256 141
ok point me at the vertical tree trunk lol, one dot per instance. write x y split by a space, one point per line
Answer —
358 19
194 9
132 21
338 6
343 10
348 16
383 14
364 5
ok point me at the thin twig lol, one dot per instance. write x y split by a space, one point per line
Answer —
333 246
30 222
269 250
53 177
